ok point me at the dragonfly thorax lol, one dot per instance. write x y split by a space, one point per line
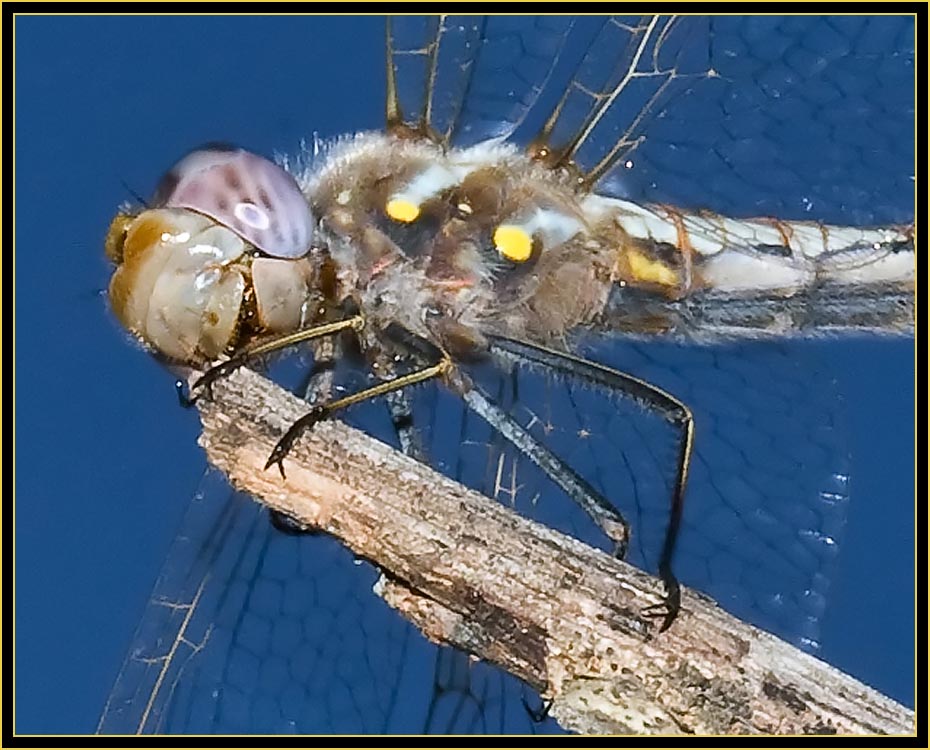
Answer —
457 243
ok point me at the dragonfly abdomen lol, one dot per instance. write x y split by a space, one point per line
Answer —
706 274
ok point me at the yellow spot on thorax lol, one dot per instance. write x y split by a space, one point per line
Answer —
513 243
402 210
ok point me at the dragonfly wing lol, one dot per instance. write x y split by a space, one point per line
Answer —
249 630
633 66
459 694
464 79
806 118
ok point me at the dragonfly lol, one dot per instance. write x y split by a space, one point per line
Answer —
250 630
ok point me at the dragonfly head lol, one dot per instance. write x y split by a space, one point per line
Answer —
223 254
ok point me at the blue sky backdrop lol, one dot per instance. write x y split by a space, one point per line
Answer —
107 463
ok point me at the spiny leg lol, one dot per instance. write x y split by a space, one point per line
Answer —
672 410
275 343
323 411
580 491
317 387
409 437
611 522
605 515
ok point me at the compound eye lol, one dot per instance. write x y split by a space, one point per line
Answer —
244 192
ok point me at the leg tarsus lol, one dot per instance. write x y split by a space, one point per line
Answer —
184 398
668 609
284 445
620 548
204 384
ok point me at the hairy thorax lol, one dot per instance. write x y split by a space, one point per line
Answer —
455 244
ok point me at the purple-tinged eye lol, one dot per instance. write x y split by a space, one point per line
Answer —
250 195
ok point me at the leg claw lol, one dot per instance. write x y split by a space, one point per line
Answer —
283 446
667 610
184 398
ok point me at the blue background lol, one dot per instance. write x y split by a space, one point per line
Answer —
106 462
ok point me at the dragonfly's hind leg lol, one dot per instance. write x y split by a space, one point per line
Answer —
670 408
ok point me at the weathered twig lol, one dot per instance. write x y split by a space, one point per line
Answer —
562 616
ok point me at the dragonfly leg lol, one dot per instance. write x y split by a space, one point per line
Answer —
317 388
204 383
289 525
402 421
284 445
604 514
670 408
323 411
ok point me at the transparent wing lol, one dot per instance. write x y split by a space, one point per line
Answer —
770 115
462 79
472 697
804 118
252 631
462 695
704 99
634 65
795 125
249 630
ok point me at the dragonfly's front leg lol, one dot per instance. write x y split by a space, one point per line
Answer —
204 384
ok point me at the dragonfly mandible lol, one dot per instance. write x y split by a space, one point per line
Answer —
216 681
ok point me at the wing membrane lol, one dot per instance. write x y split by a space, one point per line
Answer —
252 631
462 80
632 66
249 631
808 118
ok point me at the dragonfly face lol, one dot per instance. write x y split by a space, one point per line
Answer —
219 257
393 238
